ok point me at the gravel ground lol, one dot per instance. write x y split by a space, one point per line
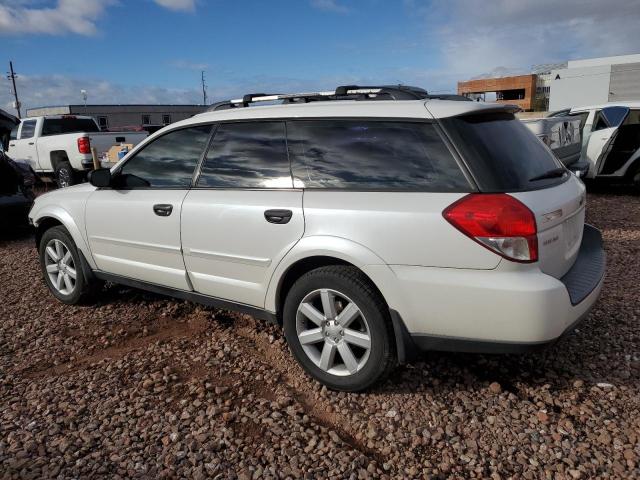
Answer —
143 386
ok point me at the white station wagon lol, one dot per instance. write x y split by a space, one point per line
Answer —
370 222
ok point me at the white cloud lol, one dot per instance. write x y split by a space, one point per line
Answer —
475 37
67 16
183 5
329 6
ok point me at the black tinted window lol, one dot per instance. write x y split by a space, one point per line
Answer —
14 133
168 161
502 153
58 126
247 155
361 154
614 115
28 128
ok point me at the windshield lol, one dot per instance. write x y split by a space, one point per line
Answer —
58 126
502 154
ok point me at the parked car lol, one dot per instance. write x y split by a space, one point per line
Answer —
16 191
61 145
370 228
563 135
610 141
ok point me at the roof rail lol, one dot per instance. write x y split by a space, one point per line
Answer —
343 92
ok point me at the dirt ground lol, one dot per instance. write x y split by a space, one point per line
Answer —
141 386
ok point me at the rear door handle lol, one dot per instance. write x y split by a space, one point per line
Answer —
278 216
163 209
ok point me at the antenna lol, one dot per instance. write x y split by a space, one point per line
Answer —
12 76
204 88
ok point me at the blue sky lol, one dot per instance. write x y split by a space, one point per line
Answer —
153 50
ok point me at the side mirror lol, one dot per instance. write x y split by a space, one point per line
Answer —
100 177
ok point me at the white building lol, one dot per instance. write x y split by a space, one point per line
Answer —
595 80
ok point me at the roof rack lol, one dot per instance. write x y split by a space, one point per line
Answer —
344 92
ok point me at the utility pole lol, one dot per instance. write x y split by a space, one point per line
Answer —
12 76
204 89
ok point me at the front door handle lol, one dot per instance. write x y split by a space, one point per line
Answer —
278 216
163 209
30 143
12 144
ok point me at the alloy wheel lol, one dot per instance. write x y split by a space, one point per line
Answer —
60 266
333 332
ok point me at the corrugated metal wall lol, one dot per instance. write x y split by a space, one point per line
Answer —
625 82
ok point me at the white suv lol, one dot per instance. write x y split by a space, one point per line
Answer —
369 222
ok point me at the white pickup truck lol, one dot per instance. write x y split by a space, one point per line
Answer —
61 145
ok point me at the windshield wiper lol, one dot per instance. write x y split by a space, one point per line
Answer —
553 173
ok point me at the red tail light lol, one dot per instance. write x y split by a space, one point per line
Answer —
84 145
498 222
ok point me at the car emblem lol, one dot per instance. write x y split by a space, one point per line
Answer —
552 215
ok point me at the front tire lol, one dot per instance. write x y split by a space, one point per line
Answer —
61 266
338 328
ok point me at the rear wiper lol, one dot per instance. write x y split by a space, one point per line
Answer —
553 173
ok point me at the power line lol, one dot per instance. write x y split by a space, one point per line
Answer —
204 89
12 76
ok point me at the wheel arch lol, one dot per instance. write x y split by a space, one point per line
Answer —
57 157
52 216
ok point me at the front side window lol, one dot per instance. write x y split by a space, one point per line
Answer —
372 155
28 129
167 162
247 155
14 133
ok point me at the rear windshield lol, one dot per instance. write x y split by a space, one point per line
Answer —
58 126
502 154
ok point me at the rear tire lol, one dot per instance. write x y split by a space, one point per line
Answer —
635 178
65 176
62 267
338 328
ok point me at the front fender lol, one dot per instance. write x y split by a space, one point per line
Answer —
38 213
337 247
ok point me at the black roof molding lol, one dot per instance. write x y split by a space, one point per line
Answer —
342 92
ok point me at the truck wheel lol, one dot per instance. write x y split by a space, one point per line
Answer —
338 328
62 267
65 176
635 179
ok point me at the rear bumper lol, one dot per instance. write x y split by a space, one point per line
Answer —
496 311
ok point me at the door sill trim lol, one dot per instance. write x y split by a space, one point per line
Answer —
195 297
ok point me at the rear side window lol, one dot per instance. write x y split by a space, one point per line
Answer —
58 126
167 162
28 129
372 155
503 154
247 155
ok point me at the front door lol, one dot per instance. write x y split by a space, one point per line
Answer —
603 133
243 215
134 227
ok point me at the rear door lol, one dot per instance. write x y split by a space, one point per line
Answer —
243 215
134 227
603 133
24 147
